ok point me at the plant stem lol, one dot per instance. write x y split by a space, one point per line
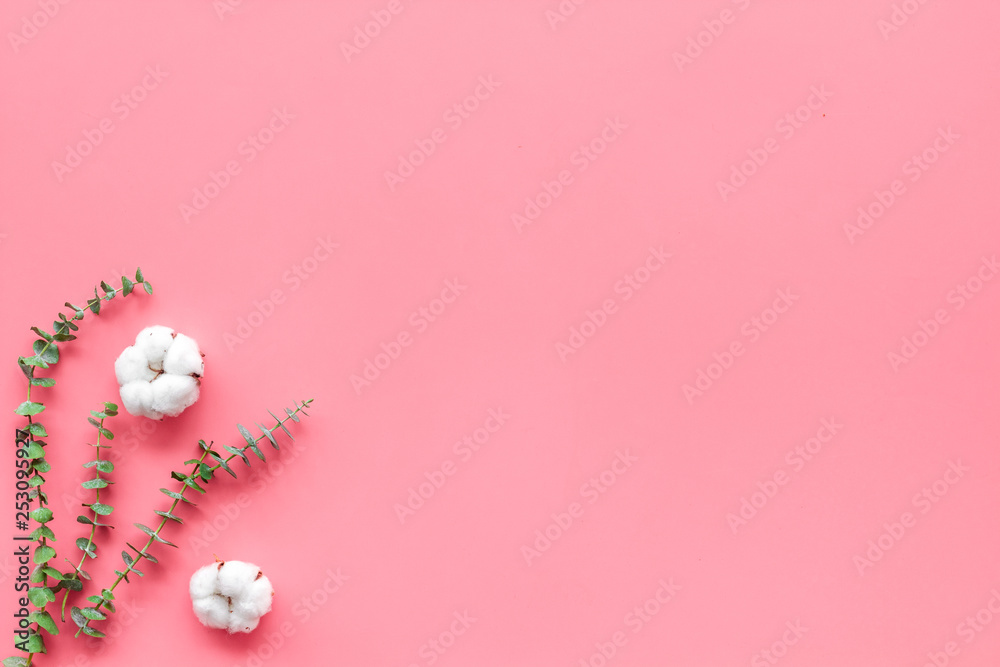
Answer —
93 526
163 521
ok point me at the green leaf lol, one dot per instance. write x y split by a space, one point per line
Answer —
256 450
86 546
47 336
103 465
107 594
291 415
30 361
33 451
35 643
246 434
127 286
280 425
93 614
138 275
75 584
175 496
239 453
91 632
44 620
149 288
41 595
95 484
44 554
221 462
108 435
36 429
42 466
106 287
41 514
42 531
37 480
29 409
94 305
101 508
46 351
15 662
168 515
129 561
54 573
77 616
268 435
142 553
152 533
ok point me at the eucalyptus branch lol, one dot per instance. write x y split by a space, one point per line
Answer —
32 465
202 472
99 509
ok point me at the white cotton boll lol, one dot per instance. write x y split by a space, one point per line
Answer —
137 398
260 595
153 343
203 581
169 364
172 394
231 595
240 623
183 357
235 576
213 611
131 366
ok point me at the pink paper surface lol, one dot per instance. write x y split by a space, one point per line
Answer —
639 333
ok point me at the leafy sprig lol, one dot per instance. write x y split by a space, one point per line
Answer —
31 448
203 471
100 510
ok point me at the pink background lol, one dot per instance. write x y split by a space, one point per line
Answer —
675 129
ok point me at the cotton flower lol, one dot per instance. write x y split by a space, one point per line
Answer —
230 595
160 374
